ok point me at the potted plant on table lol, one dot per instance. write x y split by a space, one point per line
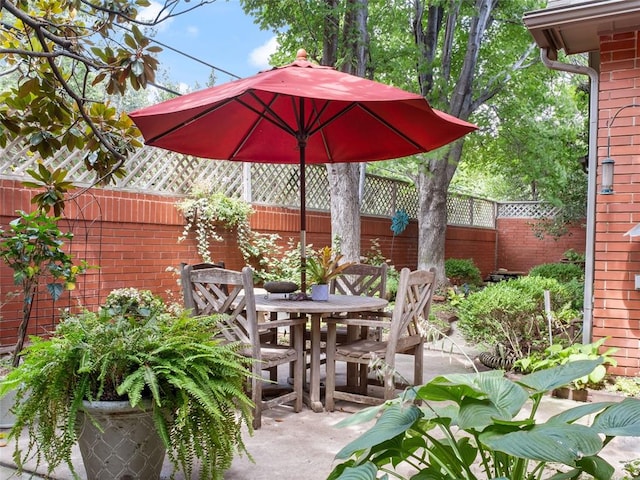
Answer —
321 268
150 366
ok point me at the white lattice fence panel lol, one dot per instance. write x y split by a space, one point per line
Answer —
16 159
407 199
159 171
318 197
275 184
384 196
459 210
526 210
465 210
484 213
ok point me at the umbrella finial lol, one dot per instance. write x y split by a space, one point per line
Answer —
301 55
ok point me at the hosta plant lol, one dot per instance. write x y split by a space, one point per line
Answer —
485 426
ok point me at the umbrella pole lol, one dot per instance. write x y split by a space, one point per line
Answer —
303 218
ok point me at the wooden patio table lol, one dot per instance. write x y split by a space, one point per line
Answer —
317 310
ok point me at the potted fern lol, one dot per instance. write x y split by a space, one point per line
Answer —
143 362
321 268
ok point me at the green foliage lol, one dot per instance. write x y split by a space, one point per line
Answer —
573 256
61 78
512 313
33 248
134 349
374 256
480 426
206 210
629 386
633 469
325 265
562 272
460 271
569 274
55 186
556 354
269 260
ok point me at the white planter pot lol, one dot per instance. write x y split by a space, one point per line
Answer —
320 293
128 446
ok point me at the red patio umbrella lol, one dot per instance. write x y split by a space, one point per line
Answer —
300 113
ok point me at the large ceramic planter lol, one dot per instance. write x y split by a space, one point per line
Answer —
320 292
126 446
7 418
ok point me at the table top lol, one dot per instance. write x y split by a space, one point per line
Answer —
336 303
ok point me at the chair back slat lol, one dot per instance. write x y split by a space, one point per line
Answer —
413 304
361 279
230 293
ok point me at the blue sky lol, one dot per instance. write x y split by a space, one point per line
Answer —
220 34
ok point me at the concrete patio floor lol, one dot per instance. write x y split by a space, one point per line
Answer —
303 446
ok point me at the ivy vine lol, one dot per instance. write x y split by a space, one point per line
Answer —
205 212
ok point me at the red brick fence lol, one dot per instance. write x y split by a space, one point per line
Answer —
133 238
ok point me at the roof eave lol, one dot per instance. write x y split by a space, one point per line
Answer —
577 27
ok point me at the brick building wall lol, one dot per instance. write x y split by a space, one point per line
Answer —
616 311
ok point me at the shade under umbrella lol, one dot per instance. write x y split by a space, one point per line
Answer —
299 113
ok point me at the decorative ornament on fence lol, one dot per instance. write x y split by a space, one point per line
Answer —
399 222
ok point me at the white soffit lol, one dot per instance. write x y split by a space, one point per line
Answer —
575 26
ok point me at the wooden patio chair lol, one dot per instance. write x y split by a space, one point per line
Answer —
406 336
357 279
217 290
361 279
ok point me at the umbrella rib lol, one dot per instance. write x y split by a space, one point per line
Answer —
276 120
392 128
177 127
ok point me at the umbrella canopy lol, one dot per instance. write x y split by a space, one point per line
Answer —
299 113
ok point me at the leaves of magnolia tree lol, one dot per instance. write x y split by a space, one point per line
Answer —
61 60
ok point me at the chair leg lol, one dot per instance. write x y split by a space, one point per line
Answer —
418 366
363 381
389 379
330 381
256 396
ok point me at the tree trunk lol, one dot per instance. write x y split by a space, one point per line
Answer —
432 186
344 180
435 174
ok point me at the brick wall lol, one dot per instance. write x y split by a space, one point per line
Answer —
518 249
133 237
616 310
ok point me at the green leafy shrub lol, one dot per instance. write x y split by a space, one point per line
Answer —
572 256
570 274
460 271
512 313
562 272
